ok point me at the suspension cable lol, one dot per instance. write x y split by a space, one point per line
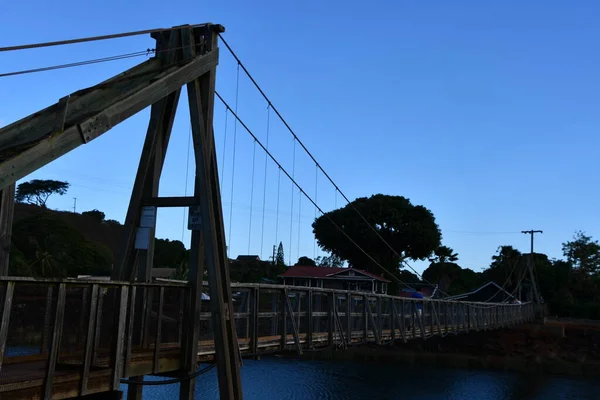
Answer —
92 38
306 194
262 231
316 162
292 206
316 201
251 196
187 170
278 196
224 148
235 124
299 224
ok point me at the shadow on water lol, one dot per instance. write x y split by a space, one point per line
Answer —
282 378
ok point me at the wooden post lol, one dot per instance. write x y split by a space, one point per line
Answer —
349 324
208 242
7 206
309 324
5 322
255 310
56 340
283 307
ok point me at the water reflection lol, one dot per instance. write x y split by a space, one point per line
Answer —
281 378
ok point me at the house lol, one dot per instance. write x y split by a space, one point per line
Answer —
490 292
335 278
247 258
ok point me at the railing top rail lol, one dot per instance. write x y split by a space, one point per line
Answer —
358 293
180 285
87 282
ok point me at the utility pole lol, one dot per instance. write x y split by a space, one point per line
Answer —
530 265
74 204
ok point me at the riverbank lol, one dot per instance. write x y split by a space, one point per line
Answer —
528 348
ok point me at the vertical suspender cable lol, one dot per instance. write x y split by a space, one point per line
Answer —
316 201
262 230
278 195
224 147
251 196
299 225
292 206
237 91
187 170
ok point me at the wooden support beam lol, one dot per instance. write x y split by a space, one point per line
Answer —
56 340
254 311
309 316
295 332
119 341
171 201
89 342
283 307
7 207
114 110
5 322
373 322
146 184
210 240
159 323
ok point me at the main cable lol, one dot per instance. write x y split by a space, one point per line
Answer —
92 38
80 63
304 192
240 64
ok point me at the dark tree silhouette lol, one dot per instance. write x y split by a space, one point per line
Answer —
410 230
38 191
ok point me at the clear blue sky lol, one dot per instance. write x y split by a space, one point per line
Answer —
485 113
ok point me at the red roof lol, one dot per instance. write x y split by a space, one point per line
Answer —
304 271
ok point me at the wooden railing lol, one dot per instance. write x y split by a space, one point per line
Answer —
91 325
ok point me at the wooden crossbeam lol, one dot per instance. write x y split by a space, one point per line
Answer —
137 89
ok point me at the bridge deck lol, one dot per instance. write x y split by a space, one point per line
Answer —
74 353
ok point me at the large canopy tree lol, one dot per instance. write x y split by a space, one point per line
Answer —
410 230
37 191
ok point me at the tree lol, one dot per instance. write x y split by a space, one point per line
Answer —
181 271
169 253
444 271
331 261
306 261
583 253
97 215
443 255
410 230
279 258
49 247
508 266
38 191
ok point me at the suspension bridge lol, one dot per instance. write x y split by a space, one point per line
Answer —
92 336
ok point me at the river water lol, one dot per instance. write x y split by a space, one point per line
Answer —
284 378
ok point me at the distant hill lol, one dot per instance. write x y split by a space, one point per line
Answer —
109 234
51 243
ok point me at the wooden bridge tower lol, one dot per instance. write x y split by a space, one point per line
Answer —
185 55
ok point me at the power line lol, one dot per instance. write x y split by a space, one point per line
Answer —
302 190
93 38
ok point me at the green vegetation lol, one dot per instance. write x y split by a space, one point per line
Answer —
48 243
410 230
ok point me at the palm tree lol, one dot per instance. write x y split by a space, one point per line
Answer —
444 255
